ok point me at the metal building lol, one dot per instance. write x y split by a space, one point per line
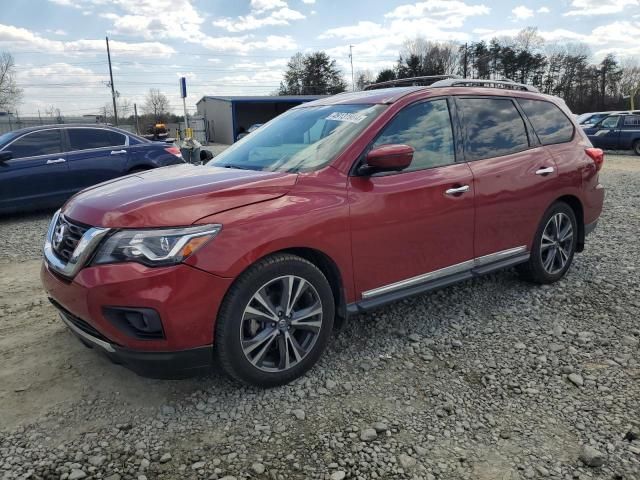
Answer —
226 117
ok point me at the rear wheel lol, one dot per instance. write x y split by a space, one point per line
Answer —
553 247
636 147
275 321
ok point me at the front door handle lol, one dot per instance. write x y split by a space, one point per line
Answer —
57 160
457 190
544 171
118 152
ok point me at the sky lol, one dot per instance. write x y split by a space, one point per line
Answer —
241 47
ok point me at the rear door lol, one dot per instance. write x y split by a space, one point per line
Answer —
37 174
514 176
629 132
95 155
408 227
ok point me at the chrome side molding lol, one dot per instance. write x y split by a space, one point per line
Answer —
81 254
445 272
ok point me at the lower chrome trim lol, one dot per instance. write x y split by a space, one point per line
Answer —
445 272
501 255
86 336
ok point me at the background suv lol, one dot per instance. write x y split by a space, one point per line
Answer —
43 166
333 208
617 132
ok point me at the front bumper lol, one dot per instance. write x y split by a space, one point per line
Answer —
180 364
186 299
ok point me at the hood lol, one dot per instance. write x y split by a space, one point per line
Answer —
174 196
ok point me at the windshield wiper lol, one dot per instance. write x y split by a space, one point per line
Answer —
237 167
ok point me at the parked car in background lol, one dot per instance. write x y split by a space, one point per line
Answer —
41 167
590 119
616 132
335 207
251 129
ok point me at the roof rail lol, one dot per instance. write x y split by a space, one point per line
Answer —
473 82
424 81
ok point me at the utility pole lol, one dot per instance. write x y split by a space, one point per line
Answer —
353 83
113 90
464 62
135 114
39 116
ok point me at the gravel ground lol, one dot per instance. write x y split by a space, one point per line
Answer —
490 379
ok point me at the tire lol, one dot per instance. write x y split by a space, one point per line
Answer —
258 339
636 147
551 253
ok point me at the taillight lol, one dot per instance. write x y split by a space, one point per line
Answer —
597 155
174 151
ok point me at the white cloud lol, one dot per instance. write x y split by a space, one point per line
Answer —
22 39
362 29
66 3
522 13
281 16
264 5
599 7
441 8
543 10
310 2
59 31
246 43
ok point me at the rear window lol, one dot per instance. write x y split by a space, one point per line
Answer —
43 142
493 128
551 125
632 121
88 138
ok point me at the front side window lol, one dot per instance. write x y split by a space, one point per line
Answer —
610 122
301 139
551 125
493 127
44 142
88 138
427 128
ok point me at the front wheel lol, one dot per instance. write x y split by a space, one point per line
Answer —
275 321
553 247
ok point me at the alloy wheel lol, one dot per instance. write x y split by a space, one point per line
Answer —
557 243
281 323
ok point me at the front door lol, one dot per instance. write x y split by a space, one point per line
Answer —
37 175
607 133
514 177
95 155
410 224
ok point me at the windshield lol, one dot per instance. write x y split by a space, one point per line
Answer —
5 137
301 139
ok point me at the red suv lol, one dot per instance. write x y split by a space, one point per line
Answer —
334 208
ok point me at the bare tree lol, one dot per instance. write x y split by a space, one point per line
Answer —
10 94
156 104
423 57
630 79
125 109
364 78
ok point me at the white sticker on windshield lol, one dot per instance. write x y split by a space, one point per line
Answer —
346 117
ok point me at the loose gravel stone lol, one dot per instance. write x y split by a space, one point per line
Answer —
368 434
576 379
591 457
338 475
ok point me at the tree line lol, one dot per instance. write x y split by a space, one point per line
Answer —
564 70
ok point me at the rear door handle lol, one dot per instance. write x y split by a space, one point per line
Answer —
118 152
57 160
544 171
457 190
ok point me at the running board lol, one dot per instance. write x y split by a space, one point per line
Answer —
369 304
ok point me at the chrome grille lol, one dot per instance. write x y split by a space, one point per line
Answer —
66 236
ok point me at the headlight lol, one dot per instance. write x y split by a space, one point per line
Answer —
154 247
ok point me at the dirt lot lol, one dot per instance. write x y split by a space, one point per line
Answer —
491 379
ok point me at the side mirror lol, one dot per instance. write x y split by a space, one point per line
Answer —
387 158
5 155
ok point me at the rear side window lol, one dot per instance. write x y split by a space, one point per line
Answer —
427 128
45 142
87 138
632 121
551 125
493 127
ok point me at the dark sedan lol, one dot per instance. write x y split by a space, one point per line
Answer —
41 167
